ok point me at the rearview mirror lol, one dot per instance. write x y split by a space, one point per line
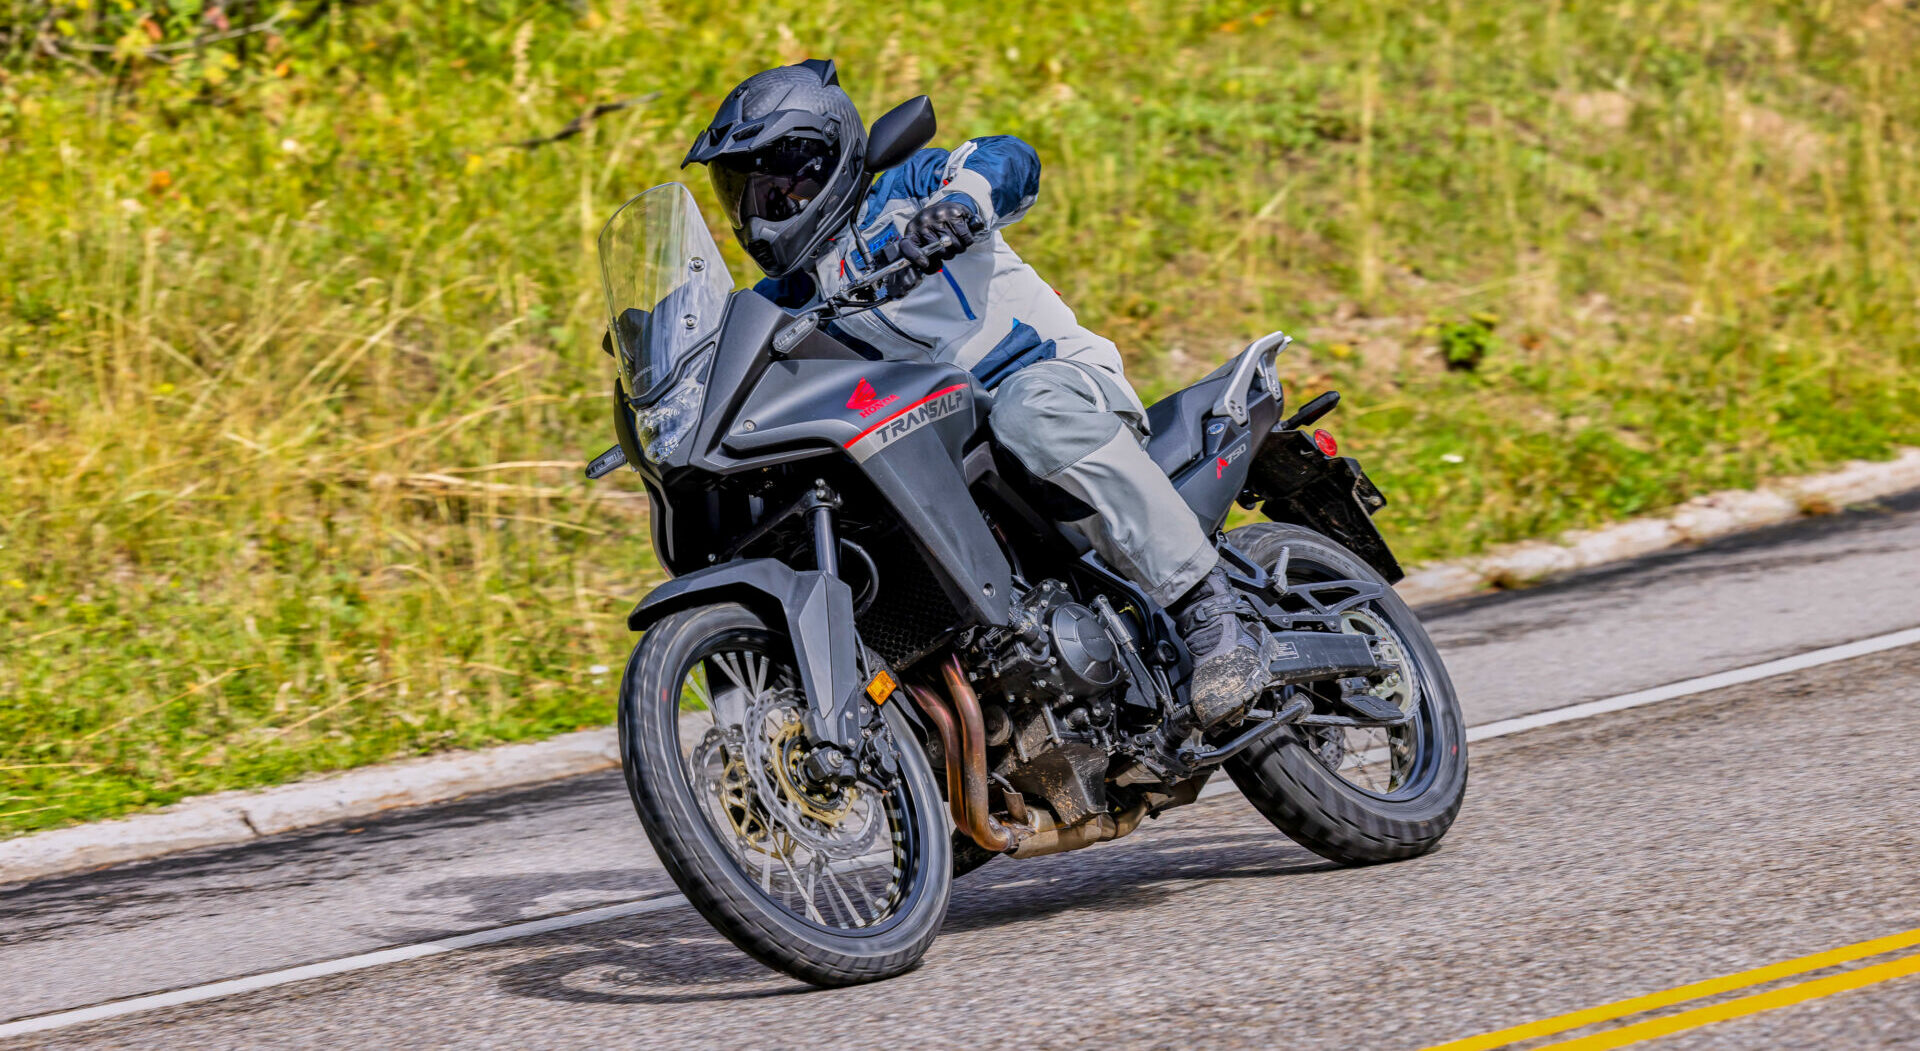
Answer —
899 133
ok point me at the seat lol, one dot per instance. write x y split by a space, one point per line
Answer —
1177 421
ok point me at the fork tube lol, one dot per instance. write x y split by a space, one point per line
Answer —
826 548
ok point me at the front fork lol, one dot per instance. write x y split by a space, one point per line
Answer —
840 717
820 504
853 749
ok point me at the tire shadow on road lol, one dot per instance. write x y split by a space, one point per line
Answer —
1122 877
673 957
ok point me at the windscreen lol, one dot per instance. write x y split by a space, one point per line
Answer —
666 283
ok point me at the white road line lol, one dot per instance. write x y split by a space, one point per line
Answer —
1689 687
1672 691
215 990
398 954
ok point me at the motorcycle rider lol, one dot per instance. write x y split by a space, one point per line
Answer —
787 156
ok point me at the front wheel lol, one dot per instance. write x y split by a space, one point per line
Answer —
834 884
1360 795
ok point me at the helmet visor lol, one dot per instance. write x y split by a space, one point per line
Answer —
774 182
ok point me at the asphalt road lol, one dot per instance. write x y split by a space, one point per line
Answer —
1595 860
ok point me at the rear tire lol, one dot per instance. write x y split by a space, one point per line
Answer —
678 820
1290 783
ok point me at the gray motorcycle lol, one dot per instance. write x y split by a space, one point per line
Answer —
882 662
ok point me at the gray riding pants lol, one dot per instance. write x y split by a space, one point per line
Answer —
1076 427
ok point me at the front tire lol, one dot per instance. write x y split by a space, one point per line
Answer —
751 851
1306 781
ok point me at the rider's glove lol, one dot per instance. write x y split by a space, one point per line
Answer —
921 242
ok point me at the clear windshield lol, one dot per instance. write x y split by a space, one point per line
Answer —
666 283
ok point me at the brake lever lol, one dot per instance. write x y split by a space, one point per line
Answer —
876 277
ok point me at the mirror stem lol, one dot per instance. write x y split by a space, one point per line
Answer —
853 227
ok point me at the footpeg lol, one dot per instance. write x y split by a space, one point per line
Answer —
1373 709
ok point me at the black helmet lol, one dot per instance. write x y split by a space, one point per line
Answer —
788 157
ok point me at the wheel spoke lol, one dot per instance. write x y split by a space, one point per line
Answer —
757 671
697 682
729 663
810 851
806 891
853 914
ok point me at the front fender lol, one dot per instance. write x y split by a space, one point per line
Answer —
817 611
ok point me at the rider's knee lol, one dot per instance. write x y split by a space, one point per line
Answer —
1049 417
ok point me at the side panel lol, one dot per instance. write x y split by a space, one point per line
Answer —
1210 485
904 424
817 610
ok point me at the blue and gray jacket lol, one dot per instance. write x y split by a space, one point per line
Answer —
987 311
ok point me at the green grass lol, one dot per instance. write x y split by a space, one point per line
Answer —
300 363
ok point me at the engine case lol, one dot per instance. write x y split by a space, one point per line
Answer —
1051 672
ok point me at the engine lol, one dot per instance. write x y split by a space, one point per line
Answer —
1047 685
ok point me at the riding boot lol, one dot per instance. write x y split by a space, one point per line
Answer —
1228 649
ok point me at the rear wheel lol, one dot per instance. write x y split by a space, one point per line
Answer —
1360 795
833 884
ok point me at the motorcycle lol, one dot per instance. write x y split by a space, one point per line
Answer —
881 661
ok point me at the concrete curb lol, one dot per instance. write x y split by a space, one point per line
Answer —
235 817
238 816
1700 519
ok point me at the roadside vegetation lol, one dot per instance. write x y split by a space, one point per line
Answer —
300 319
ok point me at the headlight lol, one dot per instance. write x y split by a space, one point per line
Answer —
662 426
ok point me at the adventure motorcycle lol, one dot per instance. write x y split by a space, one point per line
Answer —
875 620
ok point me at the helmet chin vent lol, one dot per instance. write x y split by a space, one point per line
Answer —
762 253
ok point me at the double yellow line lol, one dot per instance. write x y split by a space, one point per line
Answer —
1746 1005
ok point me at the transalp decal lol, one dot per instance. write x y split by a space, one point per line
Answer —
866 401
1221 463
928 409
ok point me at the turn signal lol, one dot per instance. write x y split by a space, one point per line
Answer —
1325 443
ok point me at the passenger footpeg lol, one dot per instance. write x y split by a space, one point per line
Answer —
1373 709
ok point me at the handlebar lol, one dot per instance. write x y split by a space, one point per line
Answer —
844 302
873 279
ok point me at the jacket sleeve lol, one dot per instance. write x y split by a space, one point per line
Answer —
998 174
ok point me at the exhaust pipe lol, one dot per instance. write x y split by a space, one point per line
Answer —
966 758
936 709
1094 828
963 737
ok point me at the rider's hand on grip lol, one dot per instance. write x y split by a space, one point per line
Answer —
939 232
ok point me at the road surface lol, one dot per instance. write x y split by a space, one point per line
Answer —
1596 860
